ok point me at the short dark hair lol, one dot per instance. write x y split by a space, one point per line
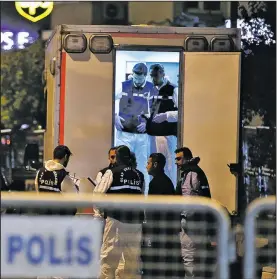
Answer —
156 68
111 149
134 160
158 158
186 152
61 151
123 154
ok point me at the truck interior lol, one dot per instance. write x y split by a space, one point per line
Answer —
124 61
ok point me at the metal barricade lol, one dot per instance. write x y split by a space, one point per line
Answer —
260 237
201 238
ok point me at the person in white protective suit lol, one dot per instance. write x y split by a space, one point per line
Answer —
133 100
121 248
164 117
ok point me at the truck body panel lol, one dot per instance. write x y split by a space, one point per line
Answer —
211 118
53 81
87 112
82 100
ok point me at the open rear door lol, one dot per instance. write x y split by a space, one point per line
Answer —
86 104
210 104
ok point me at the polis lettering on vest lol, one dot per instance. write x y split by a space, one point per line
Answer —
126 181
38 249
48 182
131 182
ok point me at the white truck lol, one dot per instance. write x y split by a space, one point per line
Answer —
85 64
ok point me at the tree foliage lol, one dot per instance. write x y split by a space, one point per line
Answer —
257 25
259 69
22 98
263 140
258 87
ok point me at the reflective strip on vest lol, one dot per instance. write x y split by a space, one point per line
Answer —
49 188
135 95
114 188
163 98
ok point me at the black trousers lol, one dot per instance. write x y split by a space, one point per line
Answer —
163 258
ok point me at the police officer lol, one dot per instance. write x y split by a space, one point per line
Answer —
194 240
164 115
132 101
122 235
53 177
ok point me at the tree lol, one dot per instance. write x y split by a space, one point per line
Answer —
256 24
22 98
258 86
259 62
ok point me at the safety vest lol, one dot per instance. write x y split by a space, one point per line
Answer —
162 103
134 102
126 180
50 181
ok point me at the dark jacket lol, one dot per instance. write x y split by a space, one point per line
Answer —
162 228
161 104
161 185
193 181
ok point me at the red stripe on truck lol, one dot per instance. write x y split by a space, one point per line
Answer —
62 98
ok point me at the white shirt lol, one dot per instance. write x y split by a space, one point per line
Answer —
105 182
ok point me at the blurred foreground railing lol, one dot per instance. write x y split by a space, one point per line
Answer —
70 246
260 237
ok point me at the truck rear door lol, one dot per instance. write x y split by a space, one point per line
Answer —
210 117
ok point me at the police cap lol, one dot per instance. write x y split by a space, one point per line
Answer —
140 68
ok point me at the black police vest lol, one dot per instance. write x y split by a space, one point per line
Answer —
126 180
166 101
163 103
50 181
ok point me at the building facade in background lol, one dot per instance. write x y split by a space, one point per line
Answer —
187 13
123 13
